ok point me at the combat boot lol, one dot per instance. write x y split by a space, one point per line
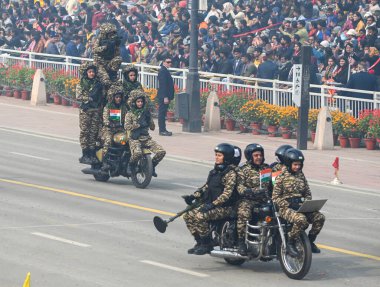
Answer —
105 164
314 247
197 244
291 248
205 247
154 174
85 159
242 247
92 154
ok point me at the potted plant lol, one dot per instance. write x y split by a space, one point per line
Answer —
288 120
342 125
250 112
70 88
25 81
271 117
230 104
374 128
312 122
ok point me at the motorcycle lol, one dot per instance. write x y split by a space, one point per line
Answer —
118 158
265 237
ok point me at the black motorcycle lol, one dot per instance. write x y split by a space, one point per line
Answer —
118 158
265 237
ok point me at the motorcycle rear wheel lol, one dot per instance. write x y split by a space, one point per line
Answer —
225 242
142 173
296 267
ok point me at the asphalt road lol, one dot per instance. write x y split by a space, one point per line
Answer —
69 230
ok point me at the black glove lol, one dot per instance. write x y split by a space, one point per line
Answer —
189 199
207 207
84 106
261 192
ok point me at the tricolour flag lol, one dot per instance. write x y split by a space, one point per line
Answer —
274 175
115 115
265 175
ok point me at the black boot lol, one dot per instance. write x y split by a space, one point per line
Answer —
93 157
242 247
197 244
85 159
105 164
154 174
314 247
206 246
291 248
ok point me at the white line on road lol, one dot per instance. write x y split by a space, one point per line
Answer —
355 218
184 185
28 155
60 239
202 275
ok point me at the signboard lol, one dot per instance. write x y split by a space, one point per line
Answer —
297 80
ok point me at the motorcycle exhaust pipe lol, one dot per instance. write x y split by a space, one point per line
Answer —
227 254
89 170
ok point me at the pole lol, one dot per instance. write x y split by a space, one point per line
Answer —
193 125
303 110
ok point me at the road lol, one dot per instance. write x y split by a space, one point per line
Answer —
68 230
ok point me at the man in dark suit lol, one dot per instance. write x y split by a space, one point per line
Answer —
165 94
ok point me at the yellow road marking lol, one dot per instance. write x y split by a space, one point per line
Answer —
353 253
157 211
134 206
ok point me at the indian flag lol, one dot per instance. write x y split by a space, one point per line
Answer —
115 115
274 175
265 175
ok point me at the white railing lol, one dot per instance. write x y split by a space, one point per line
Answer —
271 91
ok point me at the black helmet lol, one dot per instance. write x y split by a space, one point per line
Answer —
293 155
280 152
250 149
228 151
237 155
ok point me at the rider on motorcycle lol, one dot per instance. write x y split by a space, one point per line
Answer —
290 190
217 197
138 121
250 189
279 153
113 120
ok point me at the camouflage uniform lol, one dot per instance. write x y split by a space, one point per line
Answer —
294 186
107 54
144 140
276 166
248 177
128 85
112 126
90 95
197 221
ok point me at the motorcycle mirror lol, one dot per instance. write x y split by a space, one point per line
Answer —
160 224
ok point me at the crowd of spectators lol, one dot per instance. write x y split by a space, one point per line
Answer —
252 38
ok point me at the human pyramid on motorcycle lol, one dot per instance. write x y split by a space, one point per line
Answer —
115 117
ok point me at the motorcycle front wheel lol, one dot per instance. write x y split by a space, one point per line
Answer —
296 267
142 172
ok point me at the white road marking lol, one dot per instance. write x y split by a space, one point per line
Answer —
40 110
74 224
60 239
44 136
184 185
28 155
355 218
202 275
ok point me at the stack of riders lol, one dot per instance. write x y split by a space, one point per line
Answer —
122 108
233 189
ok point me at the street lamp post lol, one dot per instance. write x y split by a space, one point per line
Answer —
193 125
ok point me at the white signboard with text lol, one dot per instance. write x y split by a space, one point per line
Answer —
297 79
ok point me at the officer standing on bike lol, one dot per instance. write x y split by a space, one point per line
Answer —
138 121
290 190
89 92
250 188
113 120
217 197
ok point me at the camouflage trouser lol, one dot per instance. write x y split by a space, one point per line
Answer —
107 138
198 222
89 128
244 214
301 221
136 147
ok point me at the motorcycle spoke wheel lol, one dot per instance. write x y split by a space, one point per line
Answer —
142 173
296 267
